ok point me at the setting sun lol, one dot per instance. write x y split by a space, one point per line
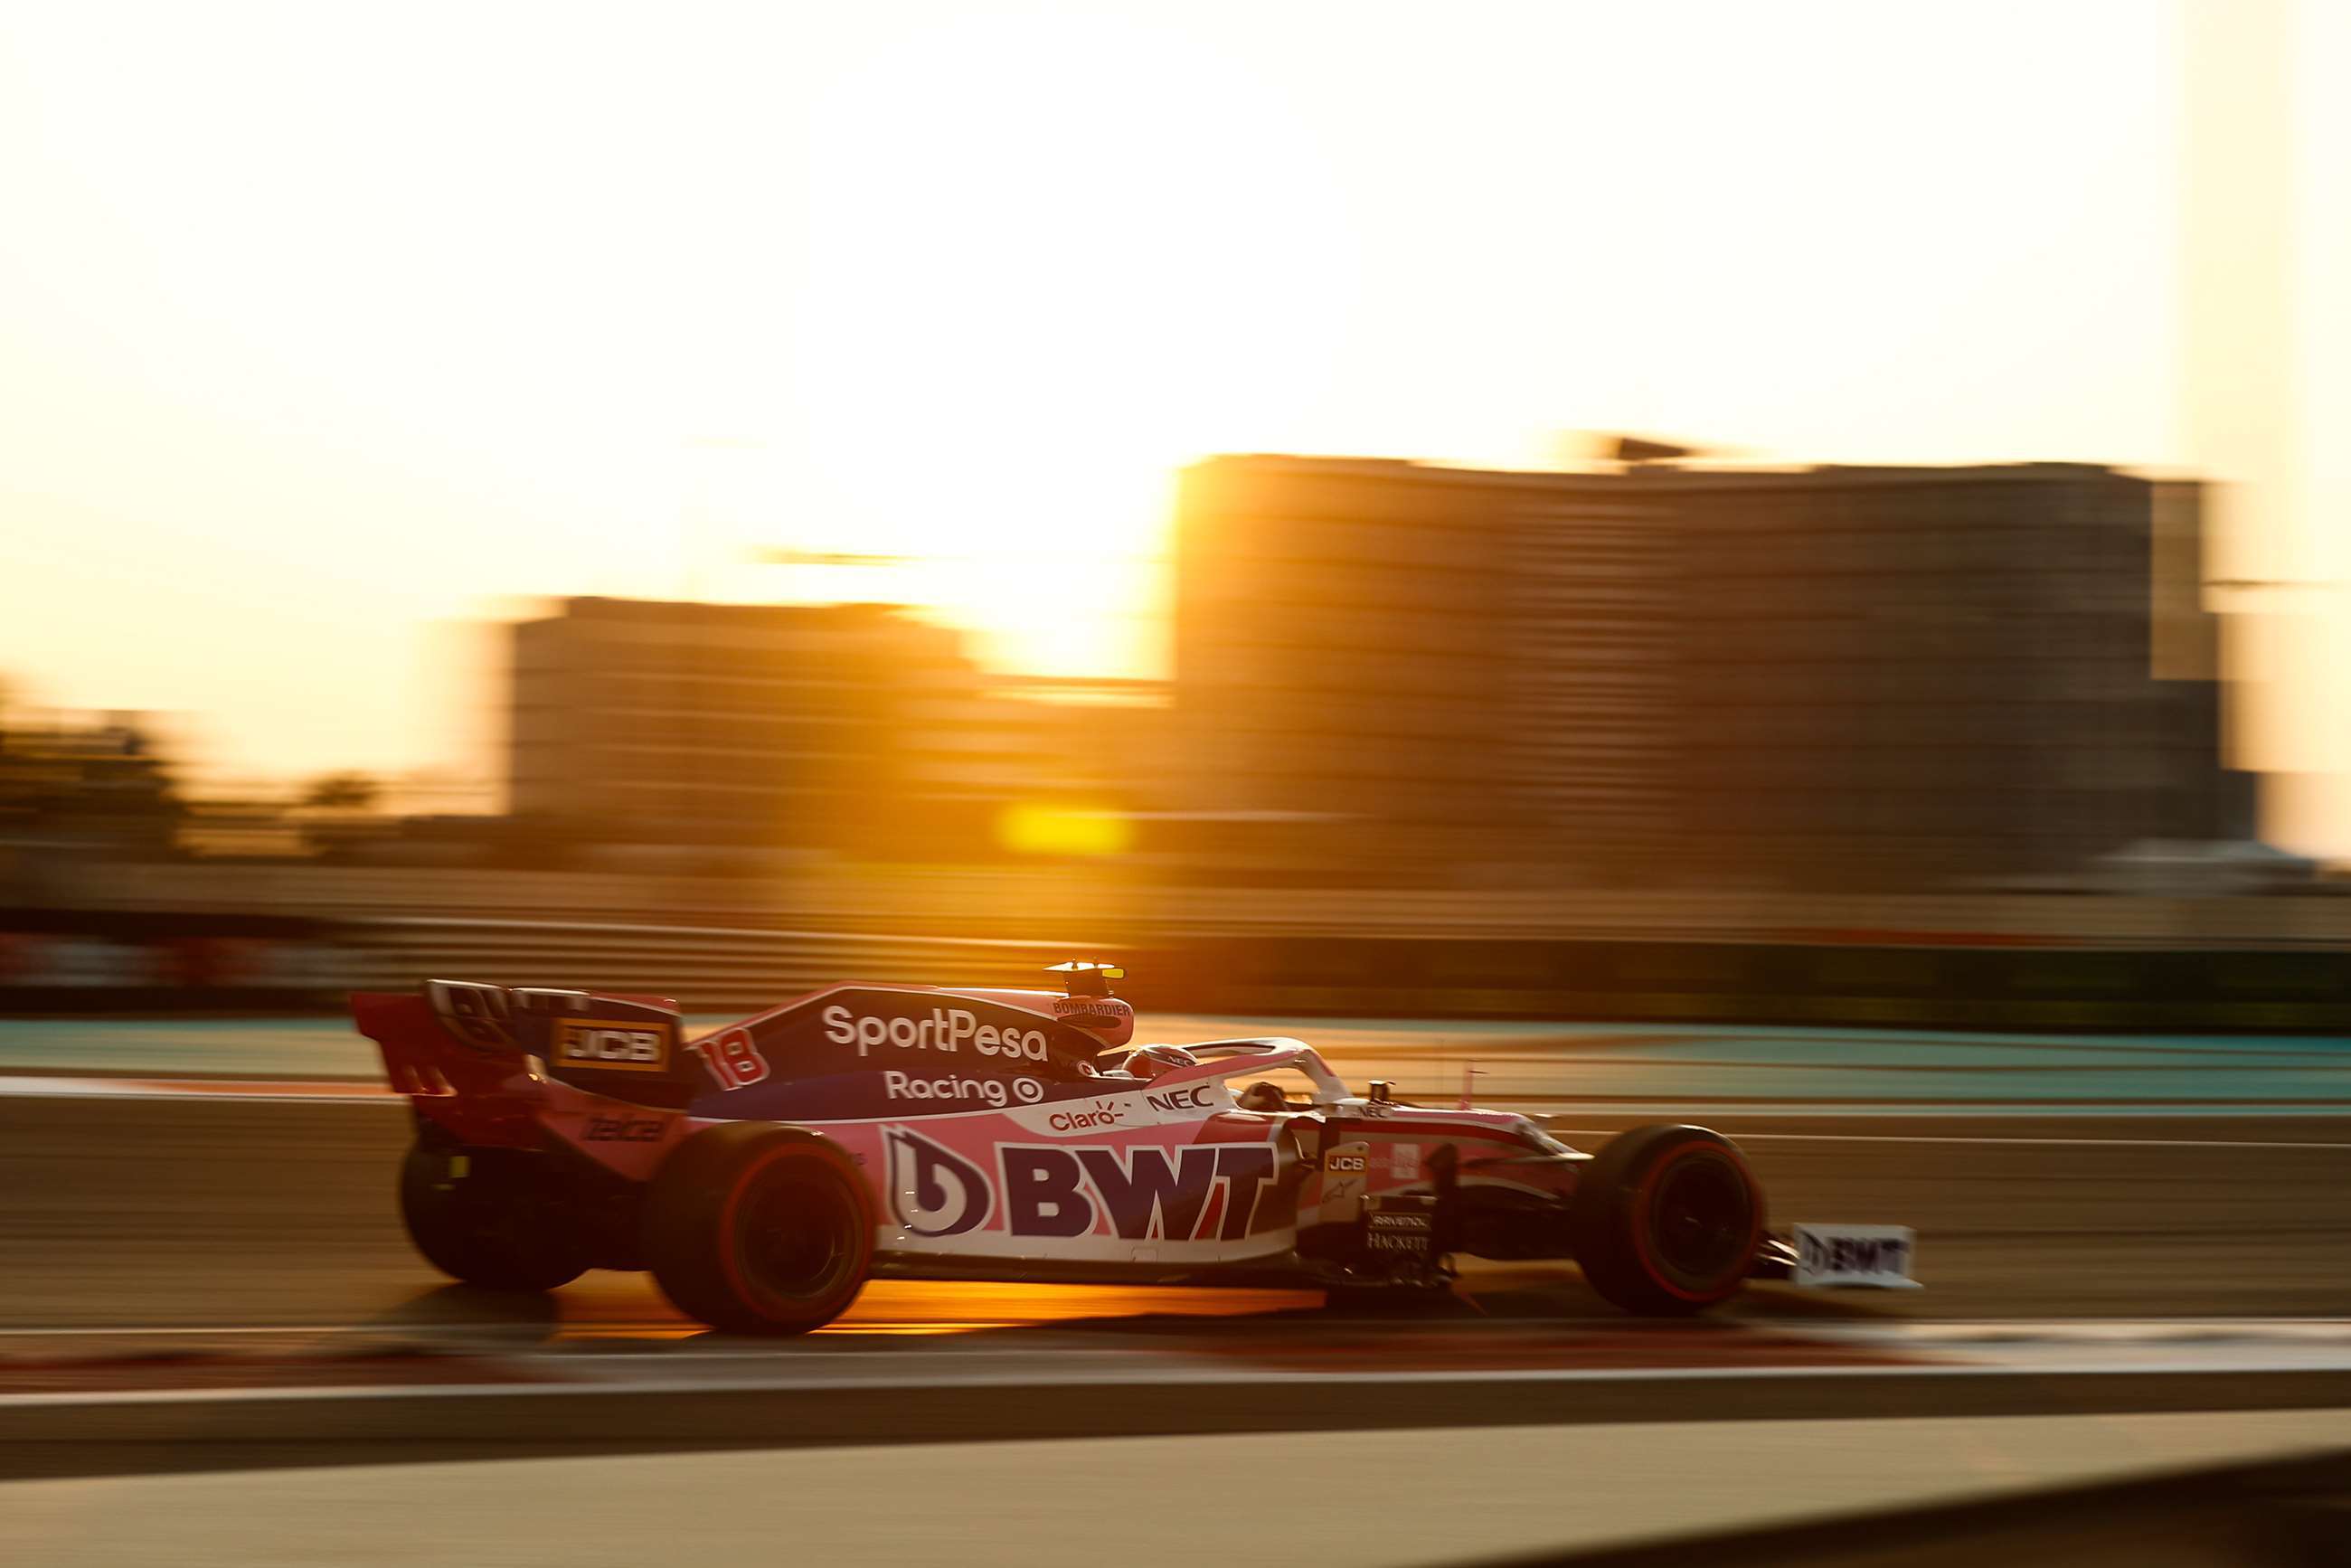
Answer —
1041 257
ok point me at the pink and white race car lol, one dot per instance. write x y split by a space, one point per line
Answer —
763 1172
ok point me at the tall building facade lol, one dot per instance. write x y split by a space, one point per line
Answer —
761 725
1436 655
1829 676
1935 676
850 726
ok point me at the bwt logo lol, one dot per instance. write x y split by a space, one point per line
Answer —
1855 1254
1051 1190
947 1029
934 1191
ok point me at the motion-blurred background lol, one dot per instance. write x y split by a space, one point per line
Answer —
1777 564
1822 513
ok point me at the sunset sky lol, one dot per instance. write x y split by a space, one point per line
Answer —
326 326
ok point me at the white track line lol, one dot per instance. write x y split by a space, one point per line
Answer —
1143 1376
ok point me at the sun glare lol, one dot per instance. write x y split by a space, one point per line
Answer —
1041 257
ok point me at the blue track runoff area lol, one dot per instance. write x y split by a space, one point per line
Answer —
1599 1064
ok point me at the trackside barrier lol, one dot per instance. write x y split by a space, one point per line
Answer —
1911 985
2234 989
1138 903
129 961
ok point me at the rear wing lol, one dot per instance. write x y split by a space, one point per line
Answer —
458 1036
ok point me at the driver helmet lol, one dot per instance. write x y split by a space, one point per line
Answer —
1262 1095
1151 1060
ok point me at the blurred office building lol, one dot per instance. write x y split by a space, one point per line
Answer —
1396 667
856 729
1856 678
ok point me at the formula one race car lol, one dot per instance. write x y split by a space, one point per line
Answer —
765 1171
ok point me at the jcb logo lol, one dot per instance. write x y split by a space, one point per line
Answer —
1346 1171
625 1047
614 1045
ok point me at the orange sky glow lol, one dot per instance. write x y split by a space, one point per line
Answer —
324 329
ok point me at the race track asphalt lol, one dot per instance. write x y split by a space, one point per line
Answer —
187 1213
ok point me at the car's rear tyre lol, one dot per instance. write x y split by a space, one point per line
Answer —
756 1229
489 1217
1666 1219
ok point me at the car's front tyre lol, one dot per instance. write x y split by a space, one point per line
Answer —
1666 1220
756 1229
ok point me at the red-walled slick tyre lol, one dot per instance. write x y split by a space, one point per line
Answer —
760 1230
1667 1220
